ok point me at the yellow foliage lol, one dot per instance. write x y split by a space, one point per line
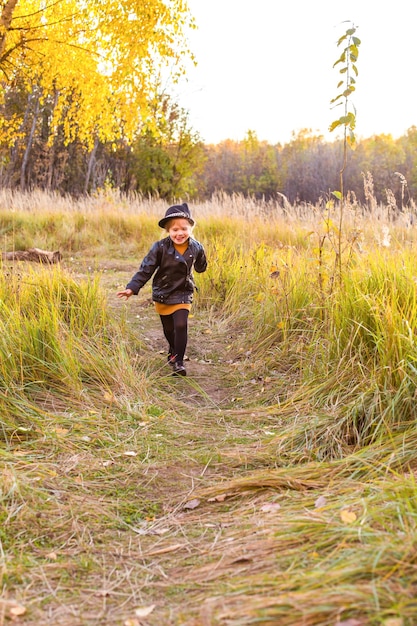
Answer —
99 63
9 130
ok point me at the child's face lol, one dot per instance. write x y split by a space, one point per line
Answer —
179 229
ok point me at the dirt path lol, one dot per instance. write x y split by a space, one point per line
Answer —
144 506
216 433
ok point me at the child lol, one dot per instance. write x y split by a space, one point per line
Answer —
172 260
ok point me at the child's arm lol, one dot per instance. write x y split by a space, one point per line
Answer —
145 272
200 264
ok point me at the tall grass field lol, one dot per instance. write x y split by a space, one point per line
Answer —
275 484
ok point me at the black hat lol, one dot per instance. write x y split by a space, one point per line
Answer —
178 210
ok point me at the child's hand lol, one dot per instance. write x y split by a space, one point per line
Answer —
126 293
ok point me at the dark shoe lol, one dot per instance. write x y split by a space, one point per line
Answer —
179 370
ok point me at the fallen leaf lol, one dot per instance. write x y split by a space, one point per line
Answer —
241 559
270 507
130 453
52 556
173 548
220 498
61 431
347 516
132 621
144 611
17 610
192 504
321 501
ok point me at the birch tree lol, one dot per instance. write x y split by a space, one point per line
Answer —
100 62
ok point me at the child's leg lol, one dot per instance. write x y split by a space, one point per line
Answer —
180 333
168 328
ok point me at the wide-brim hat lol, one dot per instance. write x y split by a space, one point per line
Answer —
176 211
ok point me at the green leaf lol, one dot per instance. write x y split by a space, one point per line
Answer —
334 125
347 120
355 69
341 59
354 50
356 41
337 194
348 91
351 140
352 117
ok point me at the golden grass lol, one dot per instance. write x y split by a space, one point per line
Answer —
274 485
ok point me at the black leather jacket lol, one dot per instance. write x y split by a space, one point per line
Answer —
173 282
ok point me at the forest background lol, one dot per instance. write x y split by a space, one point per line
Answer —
83 110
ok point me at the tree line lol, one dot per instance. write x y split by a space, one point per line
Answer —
168 159
307 169
82 108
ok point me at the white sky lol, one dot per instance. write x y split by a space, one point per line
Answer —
267 66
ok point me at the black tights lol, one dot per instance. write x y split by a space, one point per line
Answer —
175 328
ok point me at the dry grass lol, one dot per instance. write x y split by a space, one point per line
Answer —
236 496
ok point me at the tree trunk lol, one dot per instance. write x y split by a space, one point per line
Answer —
52 149
33 254
29 145
5 21
91 160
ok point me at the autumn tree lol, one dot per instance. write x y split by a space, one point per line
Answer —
168 154
310 166
249 167
96 64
